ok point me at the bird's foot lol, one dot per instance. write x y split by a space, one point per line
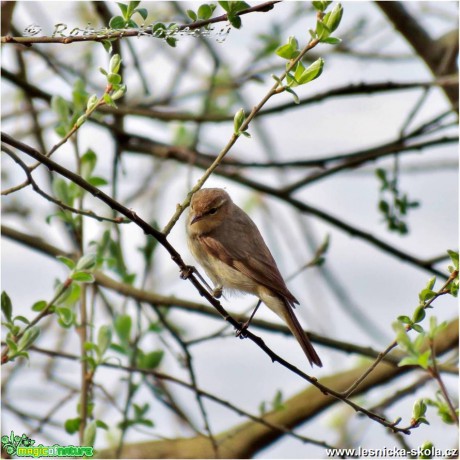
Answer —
186 271
217 292
241 333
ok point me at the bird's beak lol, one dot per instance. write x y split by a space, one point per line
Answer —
196 218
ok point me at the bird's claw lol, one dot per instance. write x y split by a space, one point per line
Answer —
241 333
217 292
186 271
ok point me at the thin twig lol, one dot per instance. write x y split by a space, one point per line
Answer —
210 396
275 89
162 239
434 371
31 181
152 298
347 393
126 33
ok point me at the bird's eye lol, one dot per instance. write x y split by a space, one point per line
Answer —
212 210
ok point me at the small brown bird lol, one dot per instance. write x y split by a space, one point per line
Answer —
229 246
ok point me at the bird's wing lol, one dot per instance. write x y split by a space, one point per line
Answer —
258 265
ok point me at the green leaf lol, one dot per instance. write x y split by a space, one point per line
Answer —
225 5
107 44
117 22
21 318
192 15
11 345
145 422
401 336
424 421
29 337
419 314
454 257
262 408
291 80
426 448
299 70
104 339
384 206
417 328
72 425
118 93
101 424
238 6
171 41
7 306
320 6
423 360
115 63
119 349
108 100
133 5
61 107
97 181
278 401
88 163
332 19
89 435
285 51
143 12
404 319
123 9
331 40
381 175
235 21
296 98
322 31
155 327
418 409
431 283
66 261
151 360
40 305
204 11
158 30
87 262
61 191
114 78
408 361
313 71
90 346
66 316
123 325
426 294
71 296
238 120
81 120
140 411
82 277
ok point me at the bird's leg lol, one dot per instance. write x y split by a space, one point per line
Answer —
189 269
186 271
217 291
246 324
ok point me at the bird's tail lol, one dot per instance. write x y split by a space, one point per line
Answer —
298 332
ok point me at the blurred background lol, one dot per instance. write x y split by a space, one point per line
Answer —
307 176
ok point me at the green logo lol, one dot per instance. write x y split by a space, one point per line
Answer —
11 444
23 446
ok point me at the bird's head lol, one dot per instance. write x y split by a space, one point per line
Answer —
208 209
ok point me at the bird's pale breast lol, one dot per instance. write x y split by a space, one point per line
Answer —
219 272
